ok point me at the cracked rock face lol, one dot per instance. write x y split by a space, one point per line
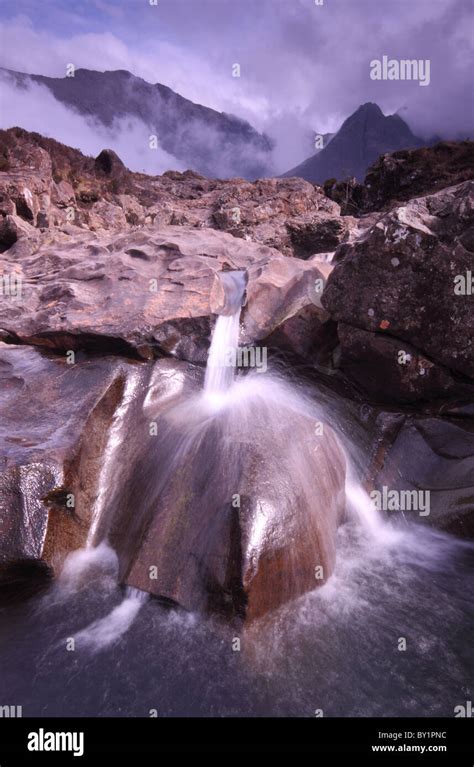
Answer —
51 186
401 282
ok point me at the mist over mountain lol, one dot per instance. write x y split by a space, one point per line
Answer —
193 136
155 129
363 137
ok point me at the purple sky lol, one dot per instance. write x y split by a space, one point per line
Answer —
303 66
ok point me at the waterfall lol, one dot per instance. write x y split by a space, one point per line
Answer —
220 370
362 508
111 458
97 553
257 438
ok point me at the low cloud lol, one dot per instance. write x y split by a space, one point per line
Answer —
304 67
34 108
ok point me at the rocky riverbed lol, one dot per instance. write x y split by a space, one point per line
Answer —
110 286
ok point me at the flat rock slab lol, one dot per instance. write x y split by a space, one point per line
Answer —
144 293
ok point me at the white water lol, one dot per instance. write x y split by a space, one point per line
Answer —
109 465
219 378
220 371
252 402
79 566
106 631
99 564
98 555
360 506
333 648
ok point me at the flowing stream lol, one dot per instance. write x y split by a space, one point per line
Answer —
385 635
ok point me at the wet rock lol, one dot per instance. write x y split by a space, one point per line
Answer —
434 455
219 528
389 370
54 422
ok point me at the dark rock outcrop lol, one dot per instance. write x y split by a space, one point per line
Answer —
433 453
390 370
109 162
400 281
397 177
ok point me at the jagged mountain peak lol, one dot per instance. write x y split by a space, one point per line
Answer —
363 136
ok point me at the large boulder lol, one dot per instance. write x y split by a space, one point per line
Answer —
216 510
54 423
230 516
397 177
401 280
388 369
409 173
279 290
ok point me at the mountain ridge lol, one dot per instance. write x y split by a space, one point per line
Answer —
365 135
212 143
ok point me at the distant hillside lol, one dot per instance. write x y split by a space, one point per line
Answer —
212 143
362 138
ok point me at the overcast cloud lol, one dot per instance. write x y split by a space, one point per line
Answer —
303 66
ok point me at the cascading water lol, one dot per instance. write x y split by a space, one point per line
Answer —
97 554
106 479
240 485
164 503
220 369
256 439
219 376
